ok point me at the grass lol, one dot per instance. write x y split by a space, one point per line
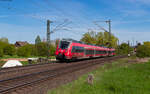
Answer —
116 78
24 63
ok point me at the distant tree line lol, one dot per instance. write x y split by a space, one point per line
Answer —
40 49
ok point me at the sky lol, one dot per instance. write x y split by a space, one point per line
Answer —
23 20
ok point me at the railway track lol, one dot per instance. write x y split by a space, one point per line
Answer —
15 83
18 71
9 69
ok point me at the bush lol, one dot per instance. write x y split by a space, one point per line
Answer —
24 51
9 50
1 52
42 49
2 46
143 51
33 50
52 50
123 49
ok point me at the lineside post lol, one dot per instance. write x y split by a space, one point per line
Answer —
48 38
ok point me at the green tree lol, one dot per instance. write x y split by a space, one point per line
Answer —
38 40
33 50
9 50
3 44
42 49
1 52
24 51
143 50
89 37
101 38
5 40
52 50
147 43
124 48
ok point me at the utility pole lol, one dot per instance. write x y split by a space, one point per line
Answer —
118 46
109 23
48 31
128 46
48 37
136 43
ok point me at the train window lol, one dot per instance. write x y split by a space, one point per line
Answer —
64 44
99 52
102 52
77 49
89 52
73 49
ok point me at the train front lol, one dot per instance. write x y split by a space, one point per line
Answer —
63 50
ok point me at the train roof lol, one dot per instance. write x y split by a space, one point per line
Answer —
75 41
71 40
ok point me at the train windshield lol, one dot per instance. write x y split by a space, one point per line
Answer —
64 44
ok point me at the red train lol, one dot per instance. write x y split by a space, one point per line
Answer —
68 49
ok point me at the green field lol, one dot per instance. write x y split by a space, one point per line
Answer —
117 78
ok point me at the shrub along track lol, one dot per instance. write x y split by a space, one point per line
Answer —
28 81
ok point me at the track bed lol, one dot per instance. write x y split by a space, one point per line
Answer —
48 74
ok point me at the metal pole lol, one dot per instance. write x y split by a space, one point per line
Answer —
109 23
118 47
48 31
110 30
128 46
48 38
